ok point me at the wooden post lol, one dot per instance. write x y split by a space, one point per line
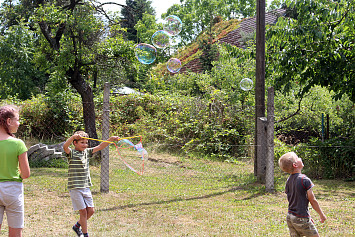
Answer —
259 82
261 148
105 161
269 179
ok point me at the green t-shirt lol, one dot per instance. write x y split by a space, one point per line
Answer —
10 149
79 172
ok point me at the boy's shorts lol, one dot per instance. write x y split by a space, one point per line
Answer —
300 226
12 202
81 198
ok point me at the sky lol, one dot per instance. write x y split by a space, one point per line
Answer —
160 6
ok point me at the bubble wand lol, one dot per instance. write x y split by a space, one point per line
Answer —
138 147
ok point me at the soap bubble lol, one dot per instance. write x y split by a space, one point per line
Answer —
161 39
145 53
174 65
246 84
172 25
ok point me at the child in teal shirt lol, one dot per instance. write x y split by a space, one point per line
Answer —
79 181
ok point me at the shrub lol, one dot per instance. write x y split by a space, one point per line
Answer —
333 158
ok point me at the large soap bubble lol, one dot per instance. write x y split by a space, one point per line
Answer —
174 65
172 25
246 84
145 53
161 39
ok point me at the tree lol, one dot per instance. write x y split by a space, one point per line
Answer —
19 76
132 14
72 46
314 45
69 35
146 27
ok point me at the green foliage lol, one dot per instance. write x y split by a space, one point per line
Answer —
333 158
18 73
188 124
209 54
308 120
280 148
131 14
116 61
52 163
313 45
50 117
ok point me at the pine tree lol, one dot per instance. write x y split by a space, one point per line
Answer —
132 14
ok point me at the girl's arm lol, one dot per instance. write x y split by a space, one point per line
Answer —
24 166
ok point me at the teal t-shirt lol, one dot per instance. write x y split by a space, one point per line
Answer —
10 149
79 172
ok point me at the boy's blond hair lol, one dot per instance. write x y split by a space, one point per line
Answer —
82 134
286 162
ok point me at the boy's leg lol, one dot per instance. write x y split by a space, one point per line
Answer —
76 228
293 231
90 211
85 215
83 221
301 226
15 232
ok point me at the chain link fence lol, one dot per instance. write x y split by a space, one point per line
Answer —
45 127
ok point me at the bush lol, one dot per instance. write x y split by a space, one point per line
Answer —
54 163
52 118
333 158
194 126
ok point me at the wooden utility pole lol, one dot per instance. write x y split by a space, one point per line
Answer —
260 133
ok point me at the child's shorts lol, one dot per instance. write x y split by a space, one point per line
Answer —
81 198
12 202
300 226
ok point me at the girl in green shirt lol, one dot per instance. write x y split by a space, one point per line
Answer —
14 168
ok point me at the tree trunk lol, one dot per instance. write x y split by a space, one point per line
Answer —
85 91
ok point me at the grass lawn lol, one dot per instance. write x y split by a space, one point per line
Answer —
179 197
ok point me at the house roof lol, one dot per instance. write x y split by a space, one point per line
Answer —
125 91
247 25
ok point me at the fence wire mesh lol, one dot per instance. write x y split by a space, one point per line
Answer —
60 121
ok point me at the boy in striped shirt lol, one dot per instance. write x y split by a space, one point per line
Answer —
79 181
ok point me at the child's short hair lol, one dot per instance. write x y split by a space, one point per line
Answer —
287 160
81 133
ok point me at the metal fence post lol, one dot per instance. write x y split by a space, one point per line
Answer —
269 179
105 161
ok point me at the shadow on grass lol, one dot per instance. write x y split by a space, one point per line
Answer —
335 188
254 188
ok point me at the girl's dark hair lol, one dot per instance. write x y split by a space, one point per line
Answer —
6 112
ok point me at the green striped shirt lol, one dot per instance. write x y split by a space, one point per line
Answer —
79 173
